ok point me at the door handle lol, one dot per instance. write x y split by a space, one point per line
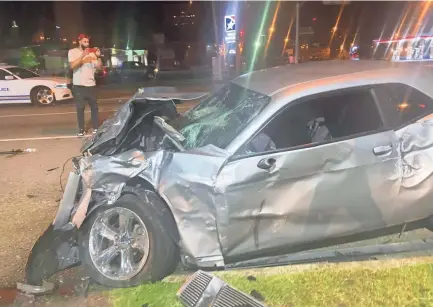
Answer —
266 163
382 150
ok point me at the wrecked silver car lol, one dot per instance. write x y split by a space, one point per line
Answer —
281 160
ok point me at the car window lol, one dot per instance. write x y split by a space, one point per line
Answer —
318 120
22 73
218 119
403 104
3 74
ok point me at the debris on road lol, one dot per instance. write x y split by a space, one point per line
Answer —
46 288
24 300
194 294
17 151
52 169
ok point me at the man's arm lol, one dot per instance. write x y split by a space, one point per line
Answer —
76 61
98 63
98 60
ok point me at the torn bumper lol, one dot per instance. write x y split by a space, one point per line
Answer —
99 180
54 251
57 248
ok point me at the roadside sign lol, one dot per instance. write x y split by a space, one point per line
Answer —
230 27
230 23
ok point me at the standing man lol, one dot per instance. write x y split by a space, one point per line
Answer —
83 62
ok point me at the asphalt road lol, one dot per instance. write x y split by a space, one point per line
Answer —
29 122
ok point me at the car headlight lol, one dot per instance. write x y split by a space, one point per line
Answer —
63 85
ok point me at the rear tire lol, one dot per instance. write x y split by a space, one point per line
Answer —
42 96
163 252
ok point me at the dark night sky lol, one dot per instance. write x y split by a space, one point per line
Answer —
107 21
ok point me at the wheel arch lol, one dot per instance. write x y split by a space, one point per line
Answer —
138 182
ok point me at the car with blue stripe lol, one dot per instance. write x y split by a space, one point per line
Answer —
20 85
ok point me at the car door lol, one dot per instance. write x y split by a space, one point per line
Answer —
11 91
23 82
409 112
328 171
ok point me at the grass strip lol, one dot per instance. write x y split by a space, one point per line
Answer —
330 285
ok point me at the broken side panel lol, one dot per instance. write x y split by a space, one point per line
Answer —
416 149
309 194
186 182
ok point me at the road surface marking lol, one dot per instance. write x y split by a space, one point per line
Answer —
48 114
41 138
66 113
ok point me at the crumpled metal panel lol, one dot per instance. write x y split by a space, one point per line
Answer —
186 182
416 148
120 130
111 127
109 174
309 195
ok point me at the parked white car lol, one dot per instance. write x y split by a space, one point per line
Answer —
19 85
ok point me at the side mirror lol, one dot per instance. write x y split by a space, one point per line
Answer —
9 78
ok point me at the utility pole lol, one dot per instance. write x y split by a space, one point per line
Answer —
298 8
298 5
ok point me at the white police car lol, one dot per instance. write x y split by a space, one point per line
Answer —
19 85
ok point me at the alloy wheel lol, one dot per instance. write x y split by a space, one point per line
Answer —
119 243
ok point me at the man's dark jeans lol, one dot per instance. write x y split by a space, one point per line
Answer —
85 95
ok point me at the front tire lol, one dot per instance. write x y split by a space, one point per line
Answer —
130 242
42 96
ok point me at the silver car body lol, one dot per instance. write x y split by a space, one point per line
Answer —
227 209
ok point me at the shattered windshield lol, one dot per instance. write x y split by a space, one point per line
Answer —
219 118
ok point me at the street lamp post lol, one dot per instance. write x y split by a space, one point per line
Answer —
298 7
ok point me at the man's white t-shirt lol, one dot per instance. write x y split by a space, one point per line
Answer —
85 74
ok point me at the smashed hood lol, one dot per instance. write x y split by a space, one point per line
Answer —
148 102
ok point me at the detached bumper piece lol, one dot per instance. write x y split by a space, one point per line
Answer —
204 290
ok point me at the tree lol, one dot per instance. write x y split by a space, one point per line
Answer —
28 58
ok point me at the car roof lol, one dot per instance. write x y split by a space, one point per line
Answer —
271 81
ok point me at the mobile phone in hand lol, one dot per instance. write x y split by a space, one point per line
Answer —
92 50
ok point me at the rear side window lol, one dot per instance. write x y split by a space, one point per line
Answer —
402 104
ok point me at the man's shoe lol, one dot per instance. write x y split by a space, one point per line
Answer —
81 133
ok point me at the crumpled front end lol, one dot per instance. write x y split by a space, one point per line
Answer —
110 158
98 180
